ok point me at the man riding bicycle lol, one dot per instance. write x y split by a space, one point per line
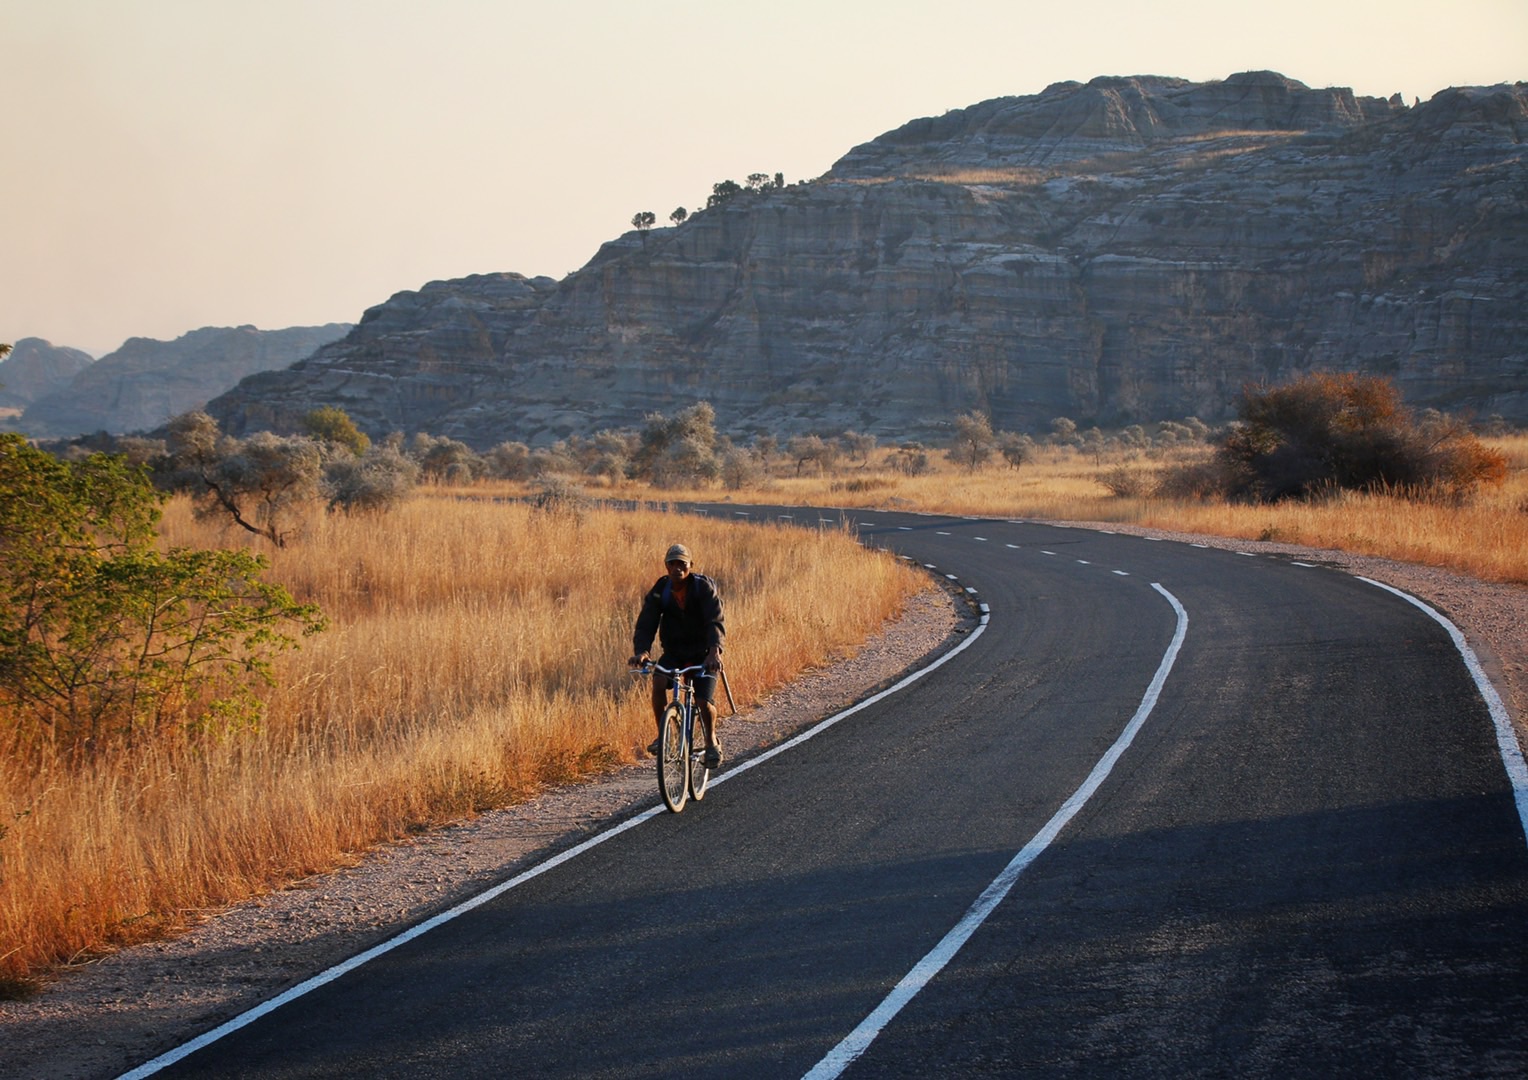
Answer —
684 611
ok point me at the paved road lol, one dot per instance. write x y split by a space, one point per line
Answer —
1308 862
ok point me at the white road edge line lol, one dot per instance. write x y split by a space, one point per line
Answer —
1506 735
323 978
857 1041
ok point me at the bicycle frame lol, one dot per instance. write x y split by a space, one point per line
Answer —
682 774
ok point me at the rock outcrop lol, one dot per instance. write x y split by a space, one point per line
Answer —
36 368
146 382
1118 251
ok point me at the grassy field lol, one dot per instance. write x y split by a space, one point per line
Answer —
477 652
1487 537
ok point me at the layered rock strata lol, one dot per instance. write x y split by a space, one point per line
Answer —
1121 251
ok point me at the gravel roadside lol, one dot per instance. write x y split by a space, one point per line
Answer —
111 1013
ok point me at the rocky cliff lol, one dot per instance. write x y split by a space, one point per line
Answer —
1117 251
146 382
36 368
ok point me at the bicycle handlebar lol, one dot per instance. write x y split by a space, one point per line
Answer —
652 665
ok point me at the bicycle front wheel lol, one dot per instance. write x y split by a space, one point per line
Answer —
674 760
699 774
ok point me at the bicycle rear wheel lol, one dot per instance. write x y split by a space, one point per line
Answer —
674 760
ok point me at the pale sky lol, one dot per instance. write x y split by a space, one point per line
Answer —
173 164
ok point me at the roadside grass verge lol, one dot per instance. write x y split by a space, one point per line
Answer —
476 653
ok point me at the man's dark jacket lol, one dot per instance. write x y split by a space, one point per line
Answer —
687 633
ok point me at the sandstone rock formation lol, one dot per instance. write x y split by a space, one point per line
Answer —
1118 251
36 368
146 382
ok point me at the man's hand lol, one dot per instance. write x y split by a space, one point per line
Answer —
637 661
713 661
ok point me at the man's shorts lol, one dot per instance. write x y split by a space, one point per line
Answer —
705 685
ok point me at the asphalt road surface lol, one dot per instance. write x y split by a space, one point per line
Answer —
1307 862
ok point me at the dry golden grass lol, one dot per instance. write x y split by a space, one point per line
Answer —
477 652
1486 538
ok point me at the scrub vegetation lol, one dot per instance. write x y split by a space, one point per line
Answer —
460 619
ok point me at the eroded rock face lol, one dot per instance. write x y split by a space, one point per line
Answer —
1125 250
36 368
146 382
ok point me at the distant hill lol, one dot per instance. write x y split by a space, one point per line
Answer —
36 368
146 382
1124 250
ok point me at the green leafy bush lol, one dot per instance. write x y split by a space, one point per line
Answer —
104 639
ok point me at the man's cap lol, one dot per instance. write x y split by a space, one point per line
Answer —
678 553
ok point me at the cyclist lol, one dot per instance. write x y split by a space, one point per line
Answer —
684 611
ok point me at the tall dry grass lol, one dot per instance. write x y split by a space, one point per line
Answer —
477 652
1485 536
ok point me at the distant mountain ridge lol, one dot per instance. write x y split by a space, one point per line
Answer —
146 381
36 368
1124 250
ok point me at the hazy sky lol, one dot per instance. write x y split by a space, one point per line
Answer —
173 164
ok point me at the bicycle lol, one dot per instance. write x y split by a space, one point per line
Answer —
682 772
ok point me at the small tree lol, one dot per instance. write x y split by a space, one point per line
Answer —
1063 431
677 449
910 459
445 460
509 461
811 450
858 446
335 428
974 441
643 220
260 482
1015 448
679 216
741 468
722 192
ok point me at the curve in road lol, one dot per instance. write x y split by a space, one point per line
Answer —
1309 862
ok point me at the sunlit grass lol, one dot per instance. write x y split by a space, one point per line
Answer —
477 653
1485 536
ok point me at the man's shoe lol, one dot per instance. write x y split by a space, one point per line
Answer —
713 758
654 746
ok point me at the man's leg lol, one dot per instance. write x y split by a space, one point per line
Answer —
708 722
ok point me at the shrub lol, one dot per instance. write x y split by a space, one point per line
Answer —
334 426
910 459
1204 481
1324 432
374 482
1127 483
104 639
559 495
